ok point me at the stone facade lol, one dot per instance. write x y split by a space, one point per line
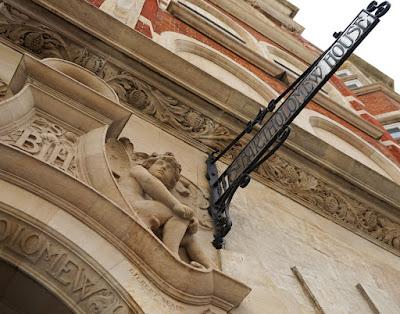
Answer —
104 134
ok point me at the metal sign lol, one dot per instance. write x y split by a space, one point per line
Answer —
275 131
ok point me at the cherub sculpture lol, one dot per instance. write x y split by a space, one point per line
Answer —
147 188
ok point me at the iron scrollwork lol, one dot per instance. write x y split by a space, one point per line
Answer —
277 128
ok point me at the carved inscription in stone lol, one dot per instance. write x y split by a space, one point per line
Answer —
58 266
47 141
155 295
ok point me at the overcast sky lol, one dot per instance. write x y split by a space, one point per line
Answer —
322 18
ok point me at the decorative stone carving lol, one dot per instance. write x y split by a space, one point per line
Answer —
317 195
189 194
58 268
147 182
331 202
83 57
168 110
46 140
3 88
24 31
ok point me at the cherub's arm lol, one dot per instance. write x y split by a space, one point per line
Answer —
159 192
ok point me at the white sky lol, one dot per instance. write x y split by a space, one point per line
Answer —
380 48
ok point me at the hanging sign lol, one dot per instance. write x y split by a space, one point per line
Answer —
273 133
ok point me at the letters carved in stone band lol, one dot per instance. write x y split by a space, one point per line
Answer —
47 141
330 202
58 267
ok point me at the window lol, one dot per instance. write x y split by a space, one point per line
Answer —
343 73
211 19
352 84
394 130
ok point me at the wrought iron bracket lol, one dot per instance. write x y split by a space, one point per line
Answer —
277 127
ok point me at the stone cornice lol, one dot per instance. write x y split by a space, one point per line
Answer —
389 117
370 70
177 70
269 29
186 15
272 9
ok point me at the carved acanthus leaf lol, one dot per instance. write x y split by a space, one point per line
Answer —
168 110
331 202
24 31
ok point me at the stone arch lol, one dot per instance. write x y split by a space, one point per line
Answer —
343 139
218 65
59 266
295 67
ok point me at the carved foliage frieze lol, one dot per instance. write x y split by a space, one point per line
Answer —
143 97
24 31
57 266
331 202
47 141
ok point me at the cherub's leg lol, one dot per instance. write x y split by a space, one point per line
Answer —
173 232
154 214
195 251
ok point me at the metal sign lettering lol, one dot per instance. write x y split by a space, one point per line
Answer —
276 129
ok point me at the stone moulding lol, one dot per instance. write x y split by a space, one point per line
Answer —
115 223
353 214
44 254
175 278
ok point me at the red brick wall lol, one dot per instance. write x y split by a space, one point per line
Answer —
97 3
378 102
163 21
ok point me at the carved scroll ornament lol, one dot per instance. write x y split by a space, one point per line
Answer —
168 110
331 202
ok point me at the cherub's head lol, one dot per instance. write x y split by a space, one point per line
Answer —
164 167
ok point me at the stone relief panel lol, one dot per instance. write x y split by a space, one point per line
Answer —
172 207
28 33
46 140
152 102
331 202
65 273
140 96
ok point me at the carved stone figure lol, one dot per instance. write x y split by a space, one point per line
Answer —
147 187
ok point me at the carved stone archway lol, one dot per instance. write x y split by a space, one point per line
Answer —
57 265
